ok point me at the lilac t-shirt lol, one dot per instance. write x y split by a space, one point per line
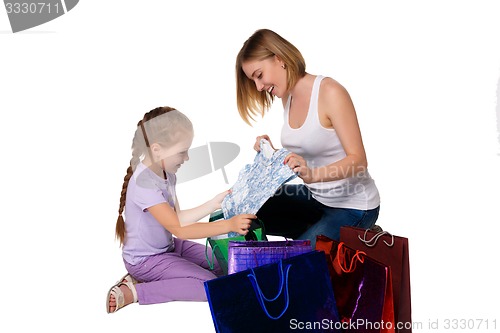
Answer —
145 236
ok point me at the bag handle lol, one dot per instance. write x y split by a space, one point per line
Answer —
210 263
283 288
373 241
356 257
259 223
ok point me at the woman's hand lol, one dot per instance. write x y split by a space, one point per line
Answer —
241 223
256 146
299 165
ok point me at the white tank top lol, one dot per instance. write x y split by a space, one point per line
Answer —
321 146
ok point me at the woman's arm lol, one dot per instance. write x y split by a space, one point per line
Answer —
192 215
339 113
167 217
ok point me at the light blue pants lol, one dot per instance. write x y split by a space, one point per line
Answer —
174 276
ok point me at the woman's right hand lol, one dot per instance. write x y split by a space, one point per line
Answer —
241 223
256 146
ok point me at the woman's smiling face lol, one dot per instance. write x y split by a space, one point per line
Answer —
268 75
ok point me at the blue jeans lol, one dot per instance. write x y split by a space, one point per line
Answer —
293 213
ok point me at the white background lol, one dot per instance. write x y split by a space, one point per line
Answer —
423 76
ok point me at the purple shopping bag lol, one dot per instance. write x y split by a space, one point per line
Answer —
249 254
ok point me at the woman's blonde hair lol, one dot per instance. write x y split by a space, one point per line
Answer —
264 44
163 125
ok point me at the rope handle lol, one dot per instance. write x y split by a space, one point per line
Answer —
282 289
373 241
352 265
210 263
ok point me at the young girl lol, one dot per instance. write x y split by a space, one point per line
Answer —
168 268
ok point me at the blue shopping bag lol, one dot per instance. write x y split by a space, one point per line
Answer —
291 294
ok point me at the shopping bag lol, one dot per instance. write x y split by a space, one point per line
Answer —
220 244
291 294
362 288
249 254
392 251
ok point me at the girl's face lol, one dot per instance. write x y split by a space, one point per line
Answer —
268 75
173 157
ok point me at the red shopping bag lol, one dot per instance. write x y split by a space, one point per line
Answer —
362 288
392 251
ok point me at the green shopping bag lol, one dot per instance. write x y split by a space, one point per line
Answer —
220 244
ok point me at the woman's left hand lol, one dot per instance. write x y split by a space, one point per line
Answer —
299 165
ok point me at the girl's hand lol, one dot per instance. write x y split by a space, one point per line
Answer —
256 146
299 165
241 223
217 200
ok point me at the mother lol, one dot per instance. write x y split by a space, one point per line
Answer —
320 129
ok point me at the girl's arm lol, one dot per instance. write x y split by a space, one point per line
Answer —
193 215
339 109
167 217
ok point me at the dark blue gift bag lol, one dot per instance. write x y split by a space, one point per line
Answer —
292 294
